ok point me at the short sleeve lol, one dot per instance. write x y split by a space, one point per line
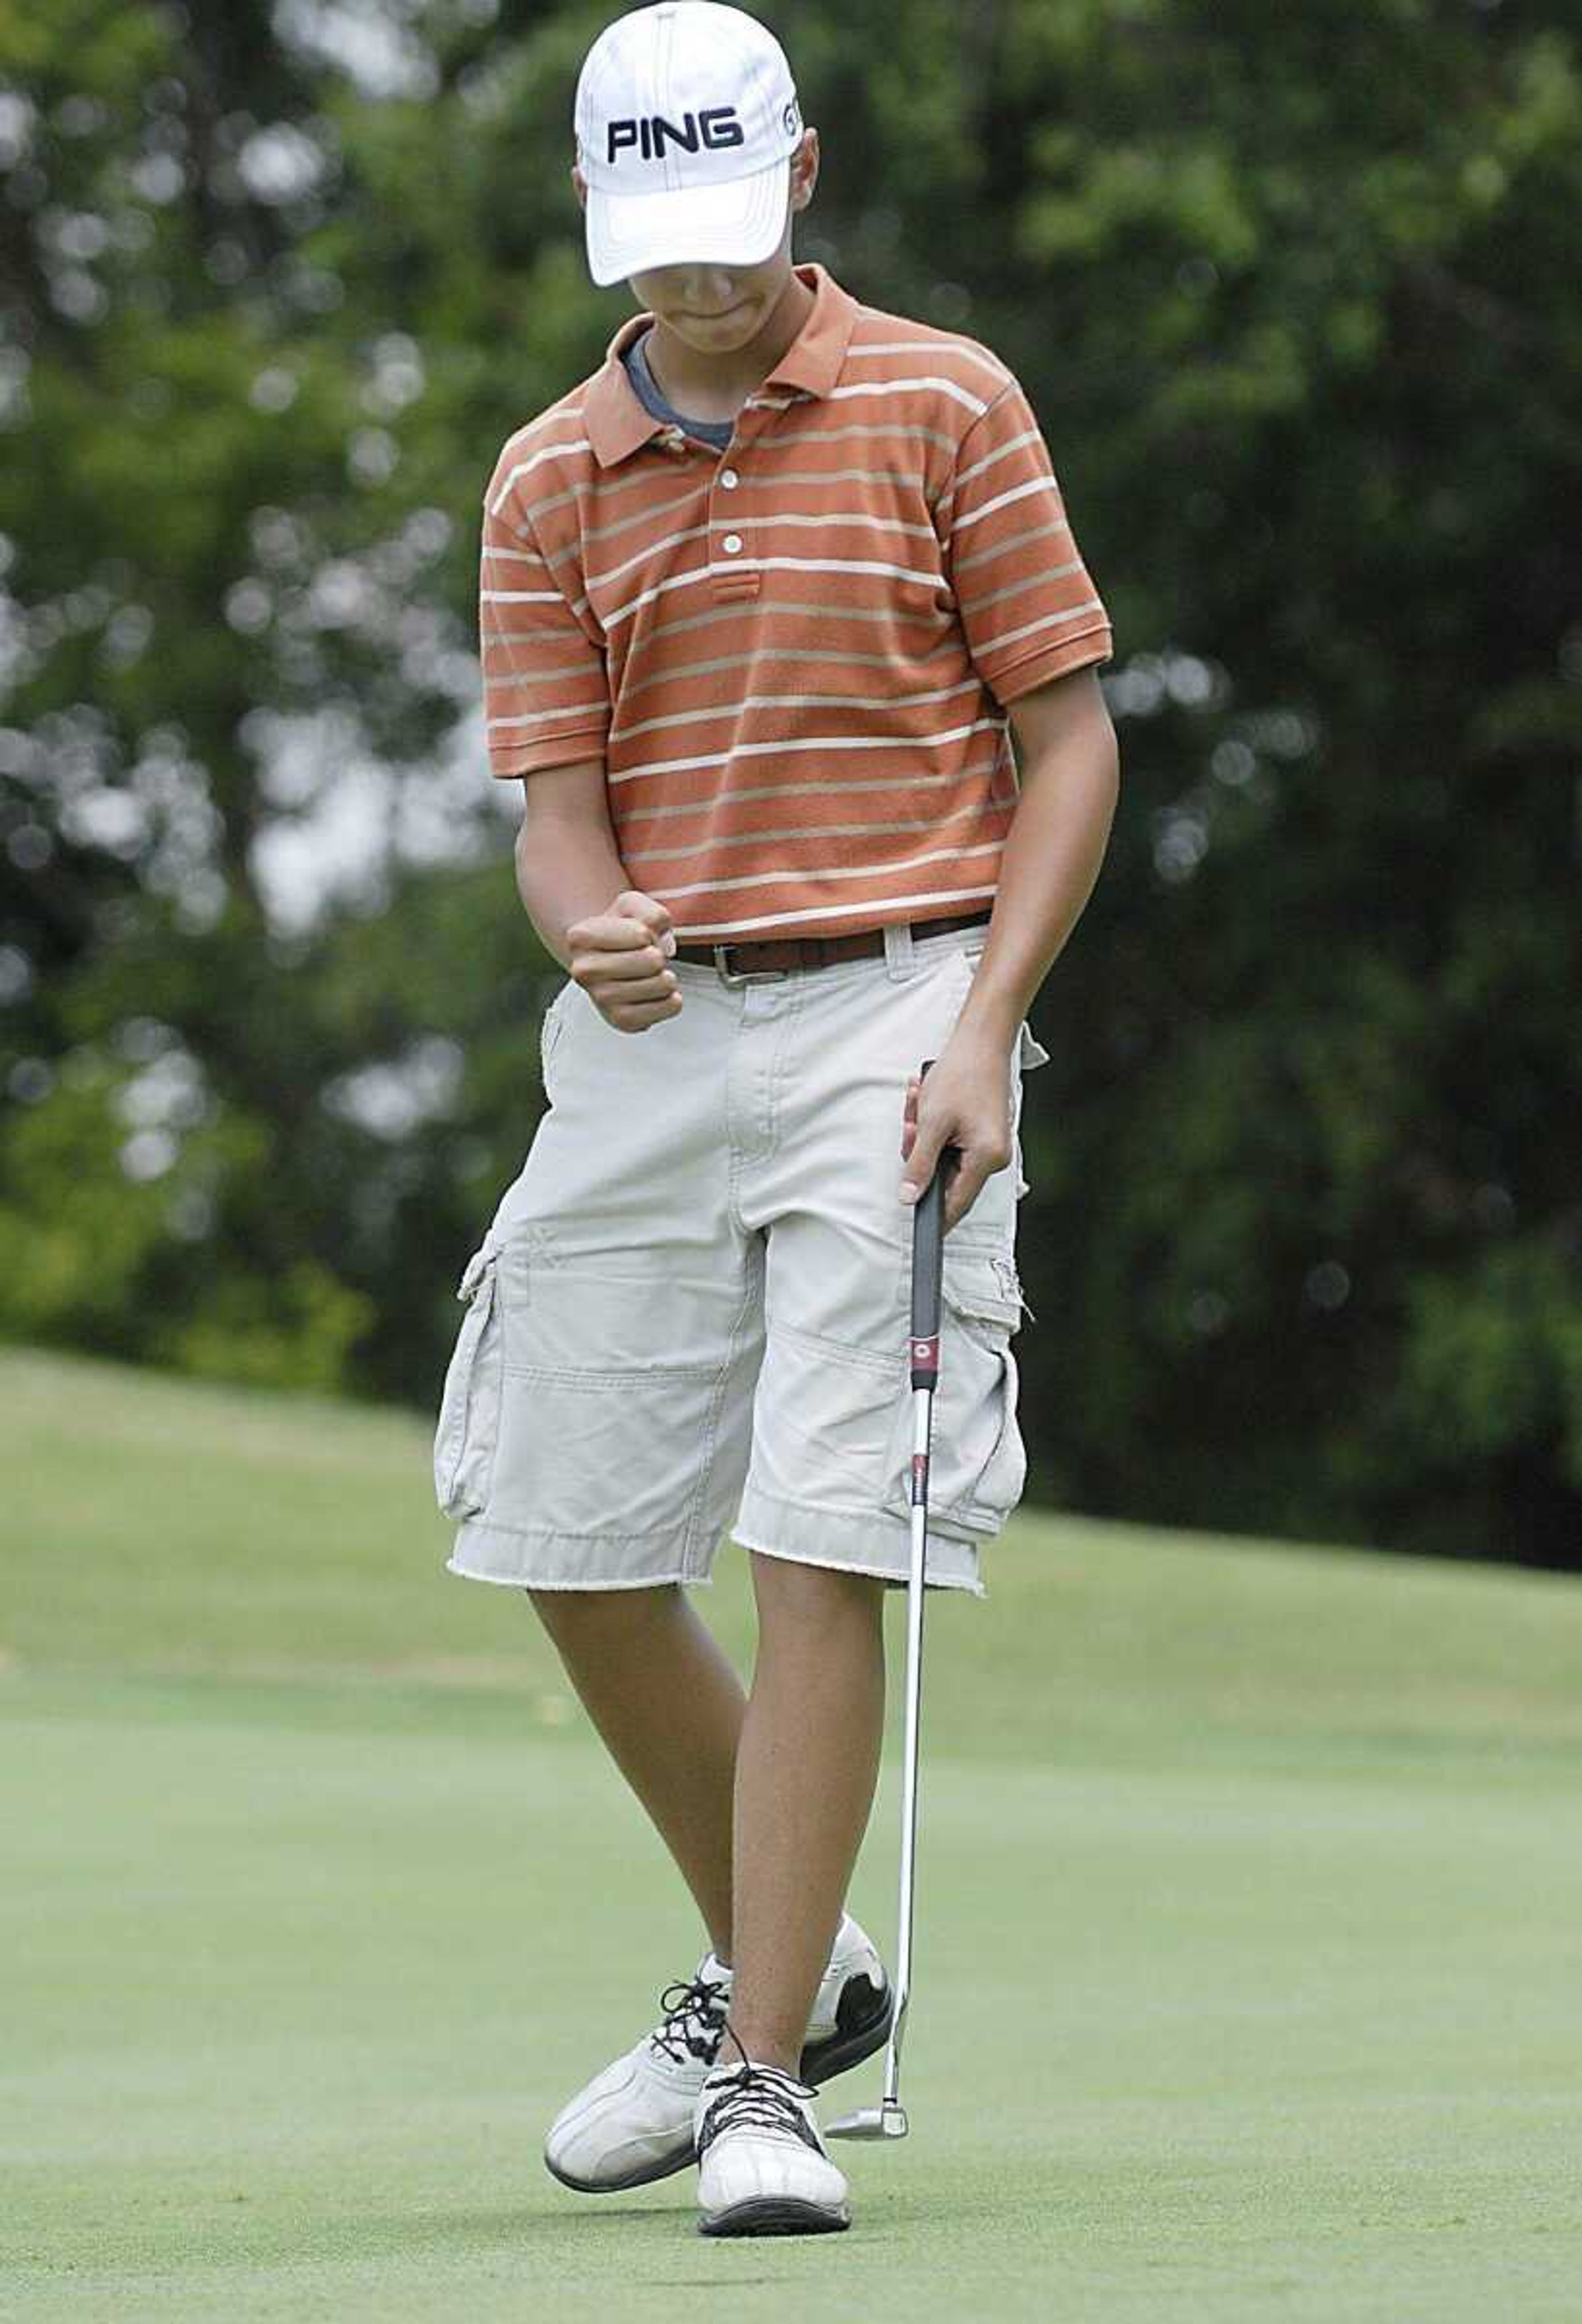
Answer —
1025 599
545 685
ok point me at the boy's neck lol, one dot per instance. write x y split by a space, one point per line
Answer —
716 388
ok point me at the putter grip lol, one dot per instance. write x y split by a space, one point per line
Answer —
928 1260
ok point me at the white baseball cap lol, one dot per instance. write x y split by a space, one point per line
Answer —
686 120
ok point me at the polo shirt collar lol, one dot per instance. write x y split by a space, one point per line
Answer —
617 420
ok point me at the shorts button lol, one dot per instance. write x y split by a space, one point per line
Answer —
729 479
731 543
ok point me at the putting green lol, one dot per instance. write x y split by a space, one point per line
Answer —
1250 1895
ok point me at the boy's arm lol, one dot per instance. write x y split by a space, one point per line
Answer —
1069 768
546 720
1035 628
545 683
1068 764
567 864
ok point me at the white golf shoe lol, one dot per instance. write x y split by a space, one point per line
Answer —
762 2166
635 2121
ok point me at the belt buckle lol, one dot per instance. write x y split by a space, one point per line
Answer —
729 976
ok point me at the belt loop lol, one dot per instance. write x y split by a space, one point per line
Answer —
898 951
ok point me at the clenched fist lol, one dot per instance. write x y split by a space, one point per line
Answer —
618 957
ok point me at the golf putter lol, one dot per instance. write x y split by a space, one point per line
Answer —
889 2118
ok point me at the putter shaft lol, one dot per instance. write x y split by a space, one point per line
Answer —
888 2120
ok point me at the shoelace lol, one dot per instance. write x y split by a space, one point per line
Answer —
759 2098
694 2021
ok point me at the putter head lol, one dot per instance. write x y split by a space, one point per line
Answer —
886 2121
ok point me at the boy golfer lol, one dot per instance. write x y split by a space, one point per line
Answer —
776 606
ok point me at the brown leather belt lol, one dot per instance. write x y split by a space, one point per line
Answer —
779 956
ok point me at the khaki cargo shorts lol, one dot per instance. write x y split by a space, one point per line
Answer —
691 1310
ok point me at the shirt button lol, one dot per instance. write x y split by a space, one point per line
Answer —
731 543
729 479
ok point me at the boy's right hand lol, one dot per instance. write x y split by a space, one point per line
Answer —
619 956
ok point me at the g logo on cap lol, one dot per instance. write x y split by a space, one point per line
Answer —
790 118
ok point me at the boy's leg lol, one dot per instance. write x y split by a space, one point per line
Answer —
806 1767
669 1706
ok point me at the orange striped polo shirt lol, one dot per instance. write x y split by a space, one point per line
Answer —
794 656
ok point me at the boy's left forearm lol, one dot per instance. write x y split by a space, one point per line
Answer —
1069 769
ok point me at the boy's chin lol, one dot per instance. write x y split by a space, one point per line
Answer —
718 322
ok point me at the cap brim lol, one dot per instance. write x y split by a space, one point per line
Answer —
738 224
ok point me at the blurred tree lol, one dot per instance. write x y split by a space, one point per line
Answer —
1294 295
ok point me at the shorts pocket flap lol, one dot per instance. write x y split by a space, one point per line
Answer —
982 1283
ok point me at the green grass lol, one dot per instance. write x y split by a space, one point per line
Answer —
1250 1917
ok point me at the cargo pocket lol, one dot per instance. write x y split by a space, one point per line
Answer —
469 1407
1031 1053
978 1462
